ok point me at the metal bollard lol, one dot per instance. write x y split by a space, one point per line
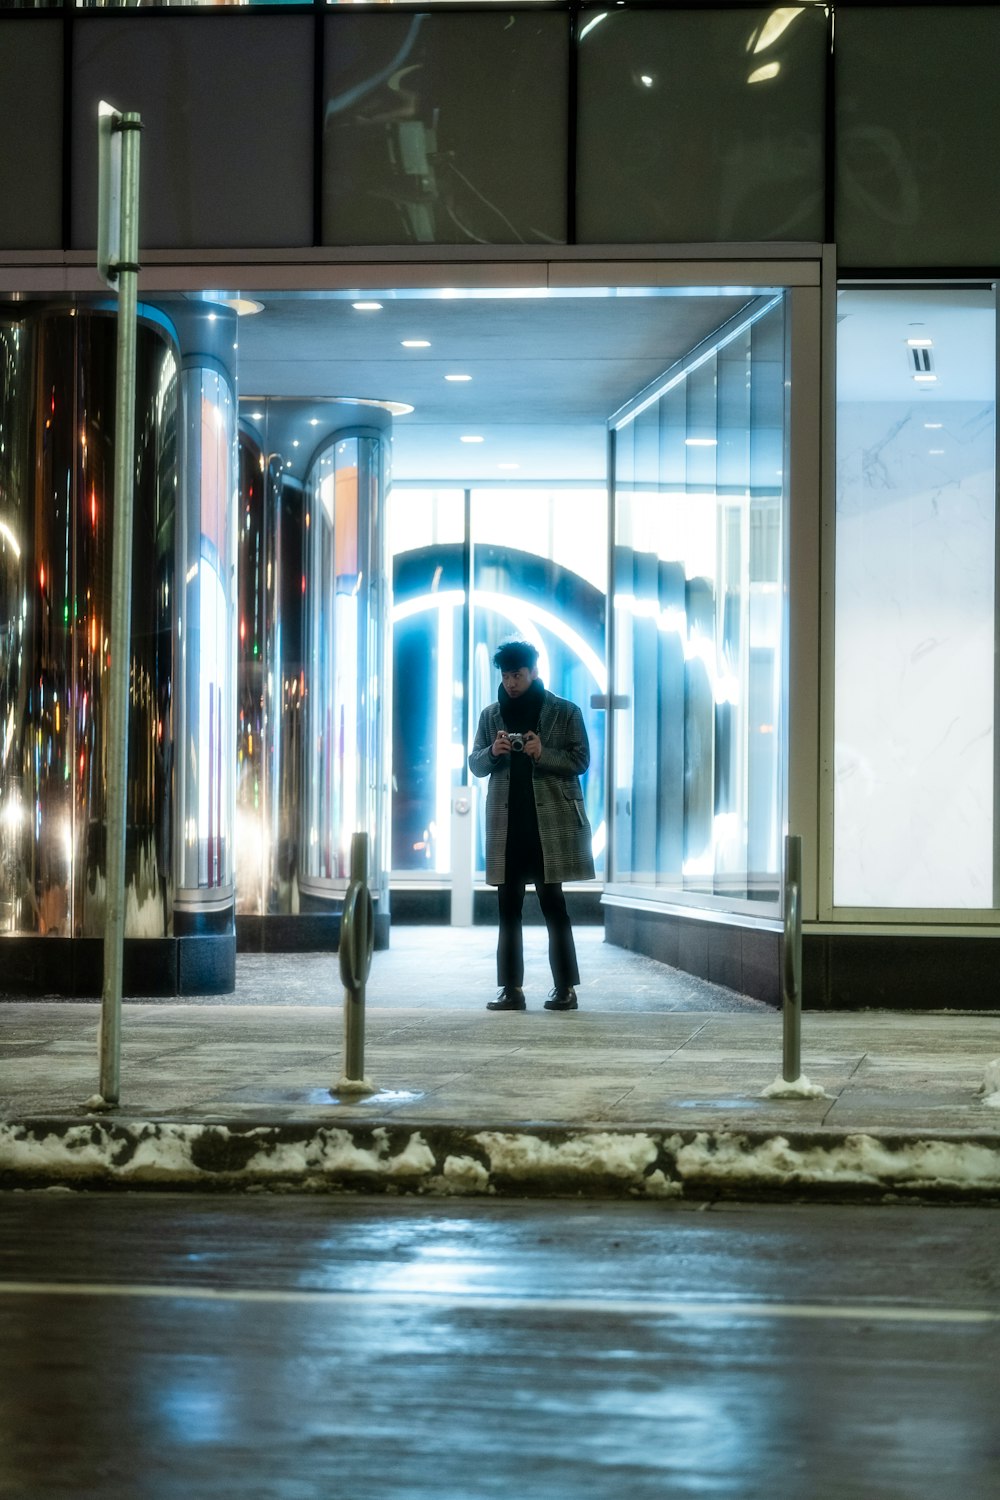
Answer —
791 968
357 942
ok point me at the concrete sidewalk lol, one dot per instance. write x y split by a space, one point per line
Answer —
653 1088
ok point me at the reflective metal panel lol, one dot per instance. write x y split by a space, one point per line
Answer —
56 488
206 626
343 633
312 761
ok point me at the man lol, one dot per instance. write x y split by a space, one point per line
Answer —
533 747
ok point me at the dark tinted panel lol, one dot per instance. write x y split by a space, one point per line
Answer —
701 125
31 156
226 105
445 129
918 134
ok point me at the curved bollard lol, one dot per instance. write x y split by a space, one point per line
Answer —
357 942
793 1084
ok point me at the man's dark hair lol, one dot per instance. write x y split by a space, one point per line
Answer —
511 656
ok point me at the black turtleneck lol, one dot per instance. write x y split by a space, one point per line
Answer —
522 713
524 849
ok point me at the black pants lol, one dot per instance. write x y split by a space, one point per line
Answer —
510 945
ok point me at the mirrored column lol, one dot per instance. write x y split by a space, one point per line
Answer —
313 756
206 613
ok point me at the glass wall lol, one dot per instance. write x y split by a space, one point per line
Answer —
698 662
915 657
534 563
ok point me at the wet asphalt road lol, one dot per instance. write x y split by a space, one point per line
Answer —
164 1346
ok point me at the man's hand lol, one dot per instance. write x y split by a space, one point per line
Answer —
532 745
501 745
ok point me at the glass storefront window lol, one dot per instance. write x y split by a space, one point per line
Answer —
915 599
697 641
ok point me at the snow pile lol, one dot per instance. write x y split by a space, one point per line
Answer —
464 1174
334 1153
991 1085
855 1160
798 1088
600 1154
144 1152
91 1152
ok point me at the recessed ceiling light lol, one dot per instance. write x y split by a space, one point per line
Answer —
471 438
458 377
367 306
314 421
243 307
925 379
933 426
415 343
920 343
701 442
295 442
256 416
935 451
395 408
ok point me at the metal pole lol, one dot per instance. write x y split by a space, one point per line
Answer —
357 940
121 610
791 1009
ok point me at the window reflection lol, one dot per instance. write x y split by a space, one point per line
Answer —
697 627
414 107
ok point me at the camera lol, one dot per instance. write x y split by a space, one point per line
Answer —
516 741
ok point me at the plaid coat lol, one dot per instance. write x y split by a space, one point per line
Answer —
562 822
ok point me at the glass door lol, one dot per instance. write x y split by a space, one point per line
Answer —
471 567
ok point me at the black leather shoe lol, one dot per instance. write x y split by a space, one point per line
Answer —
562 999
511 997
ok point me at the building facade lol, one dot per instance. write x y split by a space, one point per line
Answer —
739 266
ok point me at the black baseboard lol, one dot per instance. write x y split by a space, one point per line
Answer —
849 971
306 932
412 907
35 968
744 959
884 972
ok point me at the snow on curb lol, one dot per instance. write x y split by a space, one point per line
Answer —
859 1161
463 1160
991 1085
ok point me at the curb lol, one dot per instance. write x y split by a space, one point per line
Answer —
489 1160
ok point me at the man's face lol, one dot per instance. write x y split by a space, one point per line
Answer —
516 683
